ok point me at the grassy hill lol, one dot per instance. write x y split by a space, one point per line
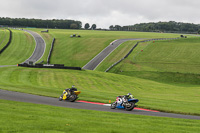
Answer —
21 48
79 51
174 61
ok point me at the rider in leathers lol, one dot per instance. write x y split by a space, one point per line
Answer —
124 99
70 90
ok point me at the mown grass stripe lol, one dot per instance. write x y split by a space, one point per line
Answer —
3 35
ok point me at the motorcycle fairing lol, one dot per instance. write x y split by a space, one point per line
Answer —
133 99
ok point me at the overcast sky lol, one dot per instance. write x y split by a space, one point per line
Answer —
104 13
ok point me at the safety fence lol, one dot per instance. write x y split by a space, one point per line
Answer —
134 48
55 66
9 41
51 50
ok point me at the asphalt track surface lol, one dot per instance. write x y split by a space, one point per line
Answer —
29 98
39 49
103 54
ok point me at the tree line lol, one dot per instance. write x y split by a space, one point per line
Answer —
39 23
170 26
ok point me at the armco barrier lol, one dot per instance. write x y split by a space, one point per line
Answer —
134 48
56 66
50 52
7 43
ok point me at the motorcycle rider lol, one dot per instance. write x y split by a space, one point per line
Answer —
68 91
126 97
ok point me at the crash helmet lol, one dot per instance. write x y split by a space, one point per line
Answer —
128 94
73 86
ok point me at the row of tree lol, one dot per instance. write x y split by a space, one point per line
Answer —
170 26
39 23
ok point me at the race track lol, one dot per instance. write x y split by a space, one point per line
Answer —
39 49
23 97
103 54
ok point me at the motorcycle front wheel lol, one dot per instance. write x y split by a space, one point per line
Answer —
61 98
130 106
72 98
113 105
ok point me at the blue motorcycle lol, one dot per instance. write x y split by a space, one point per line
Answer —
122 102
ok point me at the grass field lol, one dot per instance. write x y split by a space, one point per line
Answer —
21 48
23 117
174 61
4 37
79 51
102 87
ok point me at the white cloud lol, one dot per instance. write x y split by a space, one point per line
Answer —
104 12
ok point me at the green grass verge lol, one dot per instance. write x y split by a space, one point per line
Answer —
21 48
174 61
24 117
4 37
102 87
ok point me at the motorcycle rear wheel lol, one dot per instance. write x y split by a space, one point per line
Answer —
72 98
131 107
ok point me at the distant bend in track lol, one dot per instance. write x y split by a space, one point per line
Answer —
39 48
103 54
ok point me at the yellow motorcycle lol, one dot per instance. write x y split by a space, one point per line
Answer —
69 95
